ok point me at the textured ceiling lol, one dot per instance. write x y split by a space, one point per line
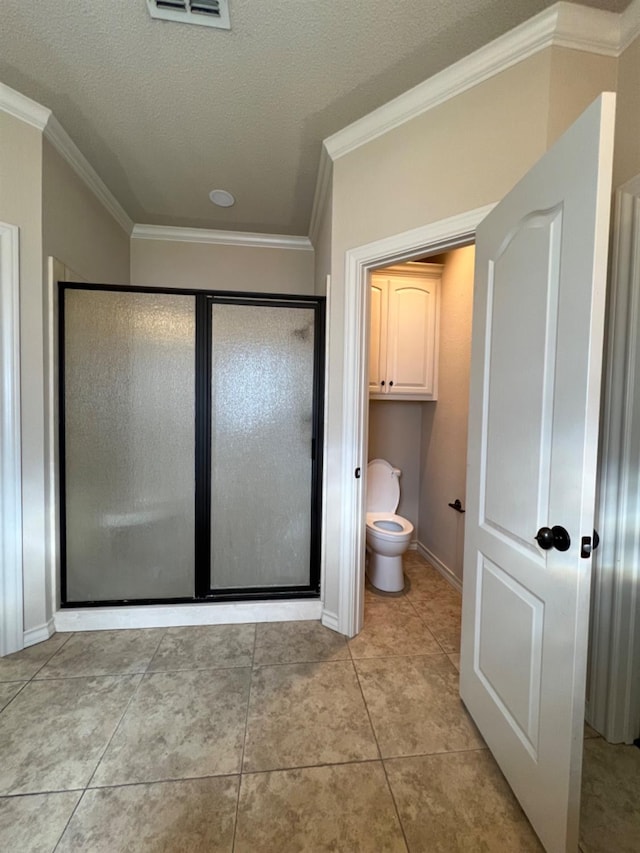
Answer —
166 112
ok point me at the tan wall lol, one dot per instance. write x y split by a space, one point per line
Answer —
626 163
394 435
577 78
170 263
77 229
21 205
461 155
444 423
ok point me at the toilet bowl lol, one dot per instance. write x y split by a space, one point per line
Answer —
388 535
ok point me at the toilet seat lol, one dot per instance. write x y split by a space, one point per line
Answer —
388 525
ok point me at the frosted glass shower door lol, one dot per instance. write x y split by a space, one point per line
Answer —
262 422
127 458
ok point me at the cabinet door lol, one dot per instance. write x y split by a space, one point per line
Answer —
411 336
378 334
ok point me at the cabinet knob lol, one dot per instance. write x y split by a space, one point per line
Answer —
391 383
382 383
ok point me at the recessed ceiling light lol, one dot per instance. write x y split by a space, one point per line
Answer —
222 198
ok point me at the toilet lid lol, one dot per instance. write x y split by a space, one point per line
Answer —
383 488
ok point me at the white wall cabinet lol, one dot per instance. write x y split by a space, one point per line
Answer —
403 339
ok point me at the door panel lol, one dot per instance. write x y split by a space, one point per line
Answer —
518 375
377 334
412 316
128 404
261 453
538 322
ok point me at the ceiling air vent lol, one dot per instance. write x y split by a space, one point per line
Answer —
206 13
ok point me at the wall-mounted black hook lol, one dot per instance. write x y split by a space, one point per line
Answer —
457 505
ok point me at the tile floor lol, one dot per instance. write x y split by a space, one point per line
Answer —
269 737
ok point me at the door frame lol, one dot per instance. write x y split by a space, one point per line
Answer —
613 706
443 235
11 575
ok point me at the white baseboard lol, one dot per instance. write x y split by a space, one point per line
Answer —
39 634
330 620
174 615
439 566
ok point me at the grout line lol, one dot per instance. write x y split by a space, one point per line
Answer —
395 804
338 763
366 707
167 781
302 662
20 794
116 729
244 739
51 657
437 752
23 683
152 658
66 826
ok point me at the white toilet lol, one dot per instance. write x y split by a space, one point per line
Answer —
388 534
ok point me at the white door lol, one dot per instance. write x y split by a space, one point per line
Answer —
533 429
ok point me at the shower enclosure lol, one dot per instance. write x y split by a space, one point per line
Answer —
190 445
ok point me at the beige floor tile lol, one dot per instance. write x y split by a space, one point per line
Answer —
192 816
23 665
414 705
53 733
610 811
422 579
298 642
34 824
304 714
9 689
448 640
437 603
376 601
214 646
179 725
441 611
458 802
104 653
337 808
455 660
386 634
589 732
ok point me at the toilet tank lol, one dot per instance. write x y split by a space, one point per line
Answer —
383 486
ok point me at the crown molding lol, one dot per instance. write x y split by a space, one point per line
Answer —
66 147
564 25
323 185
23 108
221 238
18 105
629 24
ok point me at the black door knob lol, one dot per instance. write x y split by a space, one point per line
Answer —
553 537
